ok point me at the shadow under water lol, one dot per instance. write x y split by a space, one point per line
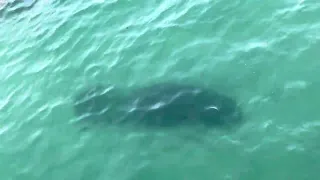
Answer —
163 105
10 8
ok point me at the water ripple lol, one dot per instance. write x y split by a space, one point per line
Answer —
269 52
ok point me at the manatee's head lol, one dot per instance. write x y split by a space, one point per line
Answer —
221 110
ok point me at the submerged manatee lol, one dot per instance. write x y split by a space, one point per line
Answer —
157 106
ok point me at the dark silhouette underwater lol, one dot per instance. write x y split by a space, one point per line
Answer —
162 105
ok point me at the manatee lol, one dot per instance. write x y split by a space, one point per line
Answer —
161 105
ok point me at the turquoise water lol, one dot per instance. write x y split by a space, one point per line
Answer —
265 54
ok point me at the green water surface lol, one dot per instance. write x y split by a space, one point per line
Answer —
263 53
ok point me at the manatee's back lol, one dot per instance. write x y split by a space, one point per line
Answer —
169 104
